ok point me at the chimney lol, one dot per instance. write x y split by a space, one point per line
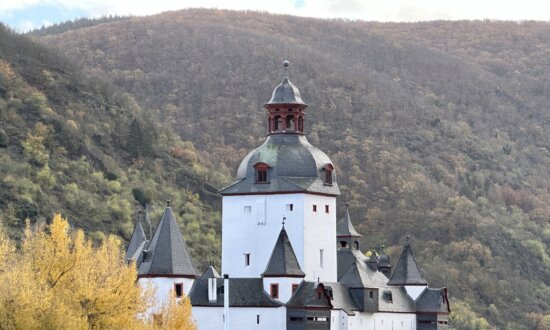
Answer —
212 290
225 302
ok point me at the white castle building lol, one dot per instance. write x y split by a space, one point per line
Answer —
288 264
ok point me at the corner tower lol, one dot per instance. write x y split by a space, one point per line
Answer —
286 177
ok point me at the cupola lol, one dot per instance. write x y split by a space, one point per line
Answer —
286 108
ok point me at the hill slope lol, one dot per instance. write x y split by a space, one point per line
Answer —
433 129
75 144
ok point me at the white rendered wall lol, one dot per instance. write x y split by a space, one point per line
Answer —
162 287
320 233
285 286
211 318
414 291
393 321
257 231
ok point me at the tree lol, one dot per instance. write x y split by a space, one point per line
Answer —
59 279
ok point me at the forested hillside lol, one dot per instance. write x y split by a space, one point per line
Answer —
438 130
72 143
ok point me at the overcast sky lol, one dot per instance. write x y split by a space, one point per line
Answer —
24 15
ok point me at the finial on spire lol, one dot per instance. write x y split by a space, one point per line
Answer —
285 66
168 202
284 219
347 205
408 238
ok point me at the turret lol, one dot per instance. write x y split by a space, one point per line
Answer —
286 108
384 265
346 235
283 273
167 264
407 273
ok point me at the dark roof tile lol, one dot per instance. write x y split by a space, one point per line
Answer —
406 272
283 261
167 252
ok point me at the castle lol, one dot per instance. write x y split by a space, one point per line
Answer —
287 262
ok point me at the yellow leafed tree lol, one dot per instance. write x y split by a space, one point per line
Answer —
60 280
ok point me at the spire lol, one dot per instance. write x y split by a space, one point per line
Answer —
167 253
283 261
345 226
406 271
136 242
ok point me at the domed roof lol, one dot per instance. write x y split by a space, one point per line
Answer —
384 261
294 166
286 93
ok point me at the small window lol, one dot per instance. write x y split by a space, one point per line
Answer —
247 259
328 174
290 207
261 175
257 319
261 172
327 209
371 295
343 244
321 253
294 288
178 288
356 245
314 208
247 209
274 290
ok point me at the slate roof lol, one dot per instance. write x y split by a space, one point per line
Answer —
346 257
345 228
167 252
283 261
137 242
400 303
243 292
295 166
358 275
406 272
210 272
286 93
333 296
384 260
433 300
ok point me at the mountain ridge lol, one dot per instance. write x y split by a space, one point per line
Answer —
441 137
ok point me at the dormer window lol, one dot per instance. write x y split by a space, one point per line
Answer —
261 172
328 174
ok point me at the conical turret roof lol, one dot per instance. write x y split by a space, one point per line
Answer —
283 261
406 271
345 227
167 253
136 242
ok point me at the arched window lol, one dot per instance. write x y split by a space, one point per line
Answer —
343 244
301 124
261 170
277 123
328 174
290 123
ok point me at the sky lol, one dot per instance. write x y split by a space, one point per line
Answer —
24 15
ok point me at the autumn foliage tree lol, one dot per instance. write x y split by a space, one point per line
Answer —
58 279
